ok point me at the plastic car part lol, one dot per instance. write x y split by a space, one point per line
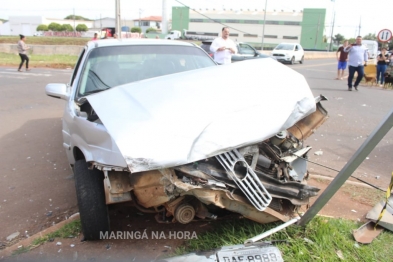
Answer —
245 178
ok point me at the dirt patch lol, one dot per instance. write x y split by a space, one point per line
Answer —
350 201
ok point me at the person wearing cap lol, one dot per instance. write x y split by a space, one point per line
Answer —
22 50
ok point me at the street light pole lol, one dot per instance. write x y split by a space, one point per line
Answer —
264 22
118 29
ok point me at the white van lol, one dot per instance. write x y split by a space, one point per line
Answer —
372 47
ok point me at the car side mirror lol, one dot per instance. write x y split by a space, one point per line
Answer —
57 91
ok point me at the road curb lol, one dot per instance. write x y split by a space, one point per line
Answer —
27 242
316 176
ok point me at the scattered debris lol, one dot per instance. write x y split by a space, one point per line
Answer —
340 254
59 250
49 214
318 153
12 236
108 247
377 177
364 105
58 244
168 247
367 232
20 247
354 211
308 240
72 245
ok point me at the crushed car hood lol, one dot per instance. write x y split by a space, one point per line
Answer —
181 118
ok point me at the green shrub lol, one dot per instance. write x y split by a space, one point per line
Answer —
54 27
81 28
136 30
42 27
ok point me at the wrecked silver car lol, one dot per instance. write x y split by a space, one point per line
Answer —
158 123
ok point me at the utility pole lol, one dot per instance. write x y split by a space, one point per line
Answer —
74 21
360 24
264 23
164 23
331 35
140 12
118 29
316 36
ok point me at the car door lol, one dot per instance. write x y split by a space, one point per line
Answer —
244 52
297 53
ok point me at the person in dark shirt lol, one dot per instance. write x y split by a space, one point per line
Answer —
342 60
382 64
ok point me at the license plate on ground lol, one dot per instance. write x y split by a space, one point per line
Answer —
255 254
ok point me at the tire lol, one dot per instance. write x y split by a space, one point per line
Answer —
292 60
91 200
302 60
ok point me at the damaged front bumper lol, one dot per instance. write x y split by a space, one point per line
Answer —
264 182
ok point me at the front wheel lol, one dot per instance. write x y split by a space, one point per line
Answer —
302 60
90 194
292 60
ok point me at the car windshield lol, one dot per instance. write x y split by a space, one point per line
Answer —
284 47
107 67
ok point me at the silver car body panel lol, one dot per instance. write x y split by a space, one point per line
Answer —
185 117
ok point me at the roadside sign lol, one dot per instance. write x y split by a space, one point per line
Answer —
384 35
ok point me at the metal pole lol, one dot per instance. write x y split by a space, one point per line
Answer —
316 35
331 35
118 29
272 231
74 22
359 156
264 22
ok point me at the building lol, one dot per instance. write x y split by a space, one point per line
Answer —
148 22
306 27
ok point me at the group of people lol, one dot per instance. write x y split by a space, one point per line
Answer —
355 56
95 37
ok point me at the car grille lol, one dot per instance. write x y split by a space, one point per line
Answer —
278 55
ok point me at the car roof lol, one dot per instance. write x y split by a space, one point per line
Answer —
134 41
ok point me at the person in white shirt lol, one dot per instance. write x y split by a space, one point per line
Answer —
223 48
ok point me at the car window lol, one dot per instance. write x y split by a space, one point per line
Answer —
107 67
284 47
246 49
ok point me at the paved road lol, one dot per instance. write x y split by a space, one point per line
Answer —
36 186
353 116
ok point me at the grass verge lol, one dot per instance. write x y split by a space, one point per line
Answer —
52 61
42 40
323 239
70 230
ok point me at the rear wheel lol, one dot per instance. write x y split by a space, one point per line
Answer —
292 60
302 60
91 200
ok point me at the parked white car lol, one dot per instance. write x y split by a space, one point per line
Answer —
289 52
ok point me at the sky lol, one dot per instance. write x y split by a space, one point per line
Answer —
371 16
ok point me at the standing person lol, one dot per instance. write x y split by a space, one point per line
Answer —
22 50
342 60
223 48
357 61
95 37
382 64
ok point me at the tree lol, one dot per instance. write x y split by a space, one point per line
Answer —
338 38
54 27
77 17
42 27
151 30
81 28
370 37
136 30
67 27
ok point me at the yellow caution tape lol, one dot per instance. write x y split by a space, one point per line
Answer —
388 192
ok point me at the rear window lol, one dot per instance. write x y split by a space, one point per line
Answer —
107 67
